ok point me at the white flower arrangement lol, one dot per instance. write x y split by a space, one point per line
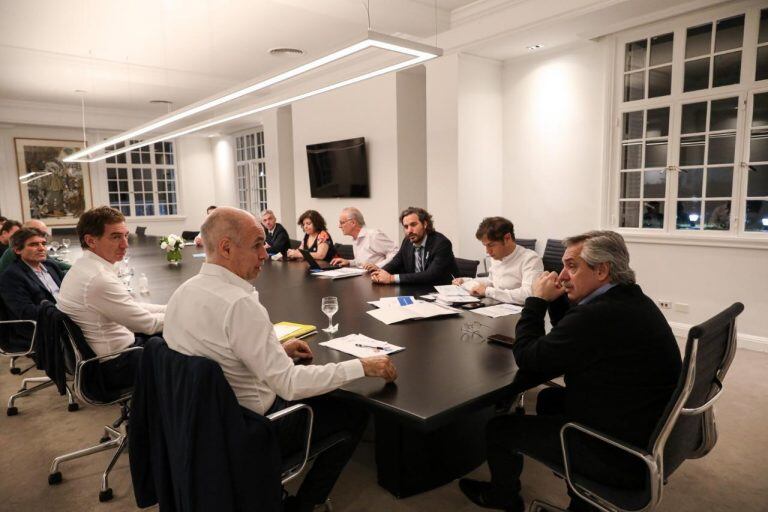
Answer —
171 243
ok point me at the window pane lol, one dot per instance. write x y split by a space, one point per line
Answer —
112 172
136 174
139 210
121 159
630 185
758 146
688 214
698 41
656 154
126 210
763 36
633 124
757 181
694 118
114 199
659 81
158 147
696 75
634 86
723 114
631 156
135 158
654 184
658 122
761 73
730 33
112 186
150 209
689 182
757 216
653 214
727 69
722 149
719 181
717 215
661 49
629 214
692 150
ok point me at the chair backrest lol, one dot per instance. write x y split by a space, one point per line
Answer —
467 268
553 255
528 243
345 251
141 230
687 429
189 236
294 243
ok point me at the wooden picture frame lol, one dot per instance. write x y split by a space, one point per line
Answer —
62 191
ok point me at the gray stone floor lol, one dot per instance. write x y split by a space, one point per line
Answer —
733 477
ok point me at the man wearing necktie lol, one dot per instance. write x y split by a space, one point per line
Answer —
425 256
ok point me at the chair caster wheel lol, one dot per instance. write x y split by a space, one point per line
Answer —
12 411
54 478
15 371
104 439
73 407
105 495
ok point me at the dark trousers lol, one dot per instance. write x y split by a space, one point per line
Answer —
333 419
509 437
120 372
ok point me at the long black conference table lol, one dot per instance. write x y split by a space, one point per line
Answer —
430 422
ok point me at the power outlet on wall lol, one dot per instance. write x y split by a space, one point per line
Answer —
682 308
664 304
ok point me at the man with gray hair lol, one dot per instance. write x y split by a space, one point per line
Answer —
217 314
277 239
371 247
620 362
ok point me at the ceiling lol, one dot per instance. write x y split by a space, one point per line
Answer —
125 54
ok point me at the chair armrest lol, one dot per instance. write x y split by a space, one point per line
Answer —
702 408
31 348
275 416
97 359
654 469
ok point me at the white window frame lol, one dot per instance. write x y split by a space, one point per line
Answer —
251 171
736 236
153 166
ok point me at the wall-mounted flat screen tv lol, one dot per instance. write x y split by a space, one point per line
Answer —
338 169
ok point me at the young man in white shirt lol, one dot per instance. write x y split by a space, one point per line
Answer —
371 247
95 298
217 314
514 268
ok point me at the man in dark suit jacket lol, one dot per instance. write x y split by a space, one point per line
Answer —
425 256
620 361
277 240
30 279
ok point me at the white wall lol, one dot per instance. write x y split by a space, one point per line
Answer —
554 138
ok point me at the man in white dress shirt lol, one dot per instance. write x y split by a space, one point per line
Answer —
372 248
95 298
217 314
514 268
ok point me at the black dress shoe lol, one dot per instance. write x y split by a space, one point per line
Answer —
482 494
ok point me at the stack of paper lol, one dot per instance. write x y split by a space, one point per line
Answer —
360 345
393 302
498 310
287 330
452 290
415 311
340 273
456 299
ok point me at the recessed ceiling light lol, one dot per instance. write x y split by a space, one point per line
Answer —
290 52
535 47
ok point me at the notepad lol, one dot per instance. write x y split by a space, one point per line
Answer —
340 273
360 345
287 330
416 311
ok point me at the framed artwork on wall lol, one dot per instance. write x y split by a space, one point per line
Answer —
51 190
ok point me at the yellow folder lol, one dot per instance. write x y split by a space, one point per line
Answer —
288 330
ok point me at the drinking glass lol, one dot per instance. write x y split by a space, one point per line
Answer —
65 243
55 246
127 275
329 306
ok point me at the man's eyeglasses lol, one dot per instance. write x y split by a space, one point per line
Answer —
471 331
342 222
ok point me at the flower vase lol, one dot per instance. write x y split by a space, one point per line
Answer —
174 257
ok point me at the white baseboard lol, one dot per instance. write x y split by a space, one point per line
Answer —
747 341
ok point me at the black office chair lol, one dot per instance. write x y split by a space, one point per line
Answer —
294 243
141 230
467 268
686 430
189 236
528 243
69 355
184 402
553 255
345 251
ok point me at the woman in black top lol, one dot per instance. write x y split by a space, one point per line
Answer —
316 239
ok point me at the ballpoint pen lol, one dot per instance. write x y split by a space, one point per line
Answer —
369 346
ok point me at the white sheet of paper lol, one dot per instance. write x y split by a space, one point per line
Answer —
349 345
498 310
457 299
413 311
284 330
340 273
391 315
450 289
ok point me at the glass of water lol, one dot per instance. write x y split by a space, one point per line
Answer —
329 306
55 246
127 275
65 244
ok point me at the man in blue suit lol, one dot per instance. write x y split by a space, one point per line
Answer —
30 279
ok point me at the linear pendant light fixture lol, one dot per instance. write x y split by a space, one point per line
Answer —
416 52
